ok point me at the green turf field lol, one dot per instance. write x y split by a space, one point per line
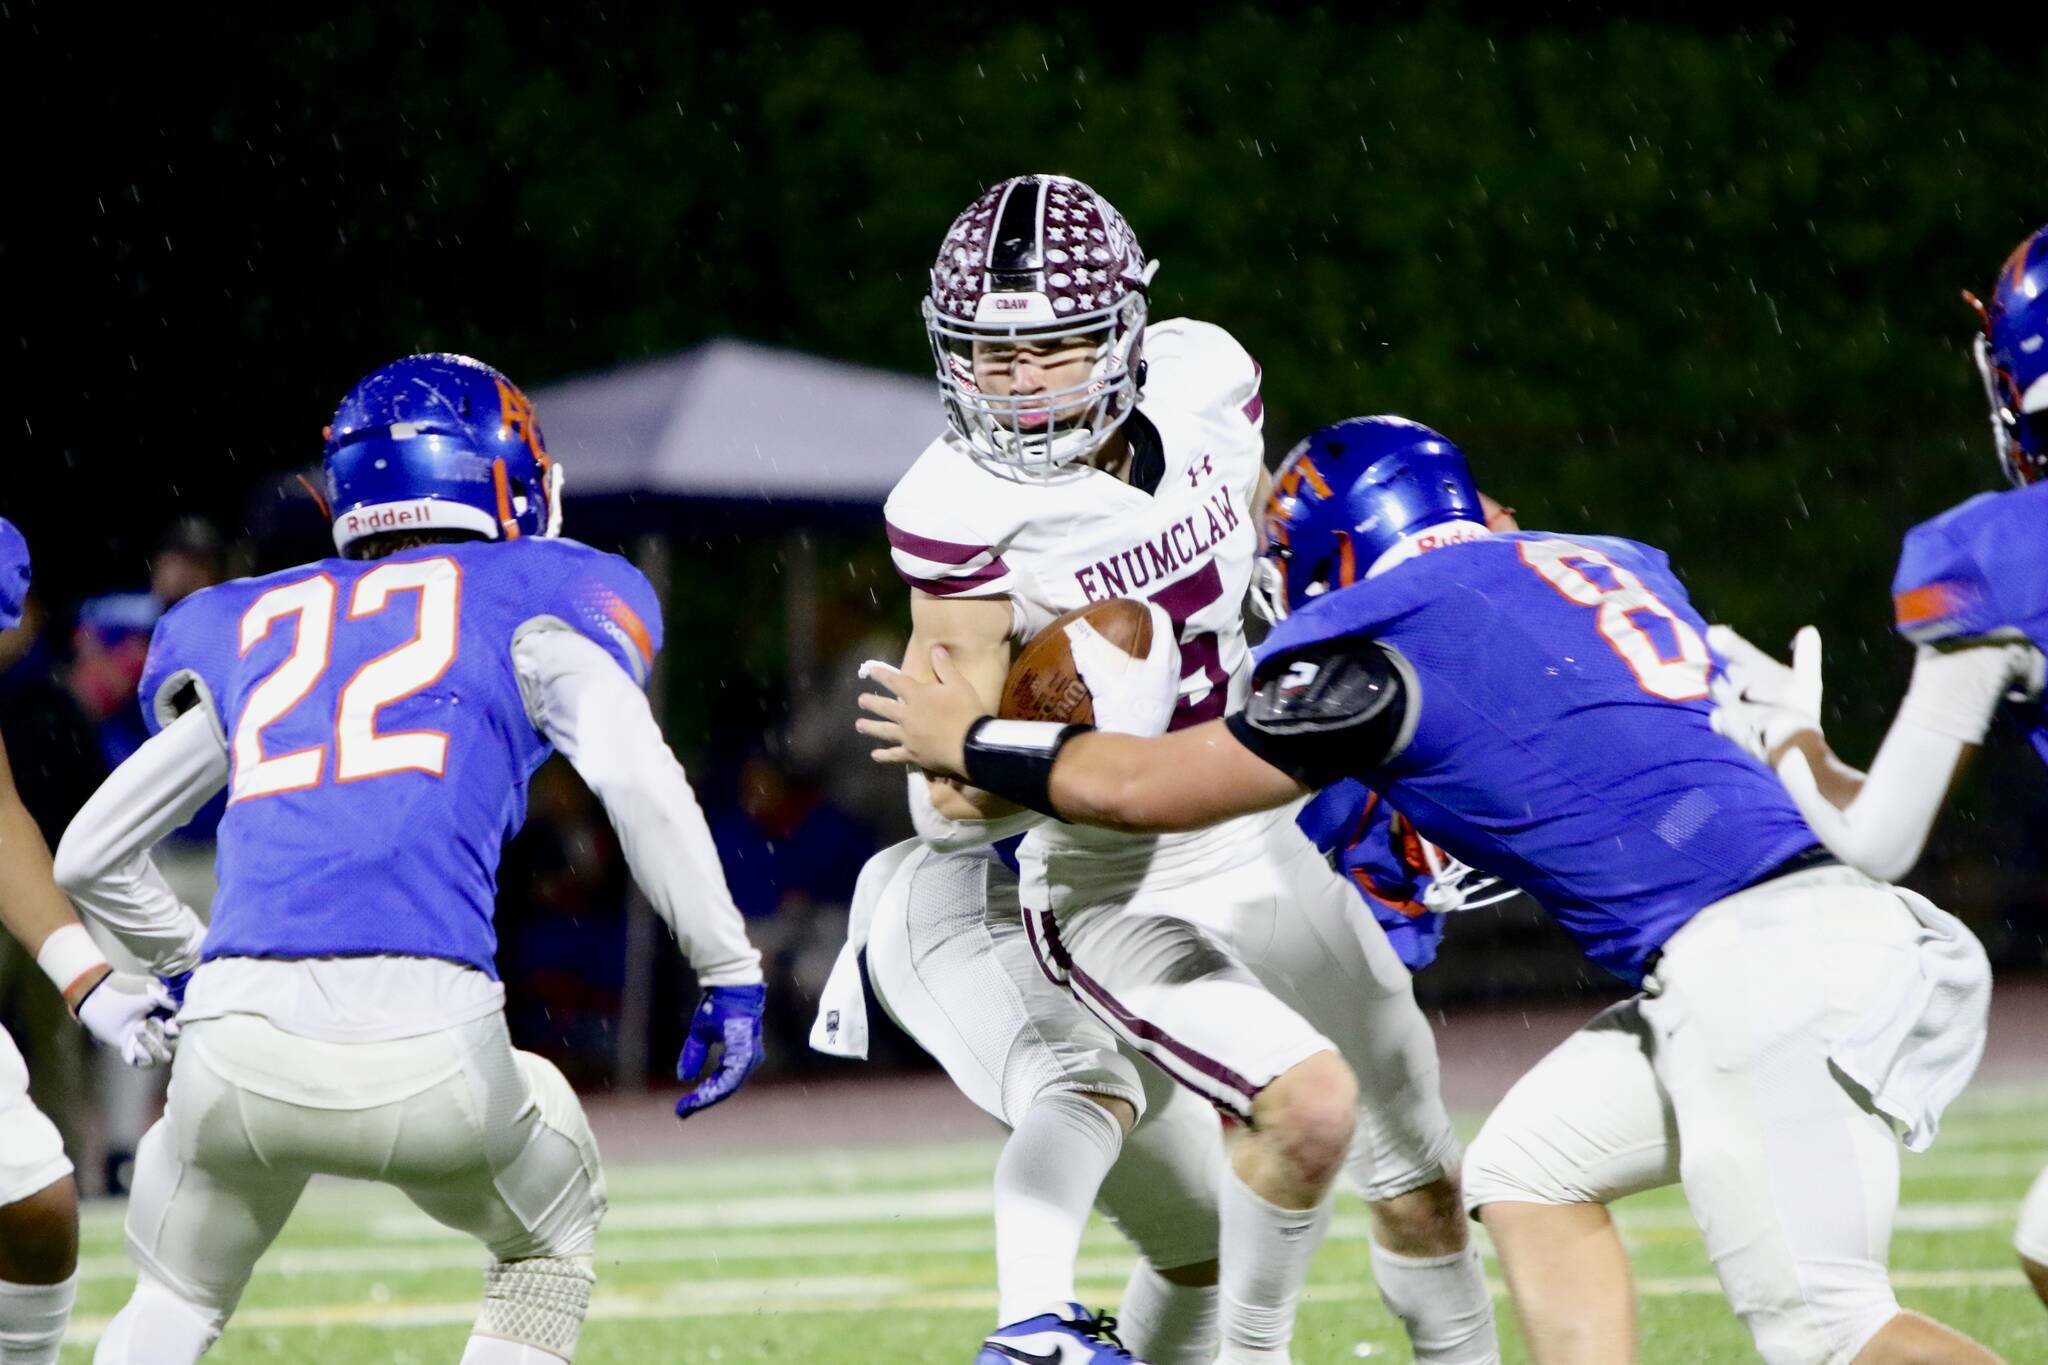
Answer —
885 1256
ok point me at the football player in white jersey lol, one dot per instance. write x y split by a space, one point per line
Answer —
1092 456
38 1200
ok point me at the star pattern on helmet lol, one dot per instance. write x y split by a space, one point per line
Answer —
1092 260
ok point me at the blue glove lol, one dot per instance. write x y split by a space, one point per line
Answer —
725 1014
1380 854
176 986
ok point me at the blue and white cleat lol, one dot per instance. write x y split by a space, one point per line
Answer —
1065 1334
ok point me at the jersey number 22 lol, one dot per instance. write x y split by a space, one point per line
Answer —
359 750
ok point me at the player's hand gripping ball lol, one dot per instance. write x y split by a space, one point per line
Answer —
728 1015
1112 664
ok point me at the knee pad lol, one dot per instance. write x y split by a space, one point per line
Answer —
539 1302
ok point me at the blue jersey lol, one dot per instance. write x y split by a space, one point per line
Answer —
14 575
1555 731
379 744
1380 854
1976 570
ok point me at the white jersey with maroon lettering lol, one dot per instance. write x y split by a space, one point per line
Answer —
962 526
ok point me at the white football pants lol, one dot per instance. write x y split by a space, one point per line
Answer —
1721 1077
31 1152
481 1137
1228 979
947 958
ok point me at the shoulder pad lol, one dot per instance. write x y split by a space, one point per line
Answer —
1202 360
189 651
1331 685
932 542
599 594
1943 590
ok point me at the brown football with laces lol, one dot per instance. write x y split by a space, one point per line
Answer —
1043 682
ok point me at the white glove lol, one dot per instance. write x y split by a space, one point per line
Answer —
133 1014
1133 696
1760 703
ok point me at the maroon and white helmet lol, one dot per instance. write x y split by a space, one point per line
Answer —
1038 259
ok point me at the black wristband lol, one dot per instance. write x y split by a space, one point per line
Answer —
1013 758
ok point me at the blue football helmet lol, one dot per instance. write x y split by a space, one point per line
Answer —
2012 357
439 442
1349 495
13 575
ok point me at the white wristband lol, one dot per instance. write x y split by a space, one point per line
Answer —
67 955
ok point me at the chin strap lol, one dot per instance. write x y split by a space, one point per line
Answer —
556 478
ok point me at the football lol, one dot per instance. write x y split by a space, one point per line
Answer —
1044 684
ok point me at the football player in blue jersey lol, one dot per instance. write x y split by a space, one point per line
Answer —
1408 883
375 719
1537 705
1972 594
38 1199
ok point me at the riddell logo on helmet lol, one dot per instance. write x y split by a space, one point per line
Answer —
390 517
1456 533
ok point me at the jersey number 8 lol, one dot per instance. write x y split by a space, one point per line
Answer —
359 751
1681 679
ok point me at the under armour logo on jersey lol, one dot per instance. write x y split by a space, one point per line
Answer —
1200 470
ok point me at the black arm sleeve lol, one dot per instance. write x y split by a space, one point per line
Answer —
1327 711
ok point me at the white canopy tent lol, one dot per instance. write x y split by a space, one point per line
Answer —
733 421
731 424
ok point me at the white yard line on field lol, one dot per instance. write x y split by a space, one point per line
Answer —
869 1294
644 1233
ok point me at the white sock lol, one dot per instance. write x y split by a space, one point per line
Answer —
498 1351
1046 1182
32 1320
157 1328
1443 1302
1266 1251
1163 1323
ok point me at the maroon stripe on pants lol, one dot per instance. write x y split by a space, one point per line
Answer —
1120 1018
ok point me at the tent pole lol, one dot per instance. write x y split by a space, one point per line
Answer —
643 934
800 610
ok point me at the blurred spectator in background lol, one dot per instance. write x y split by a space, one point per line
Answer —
108 647
562 928
852 627
57 765
188 559
791 857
